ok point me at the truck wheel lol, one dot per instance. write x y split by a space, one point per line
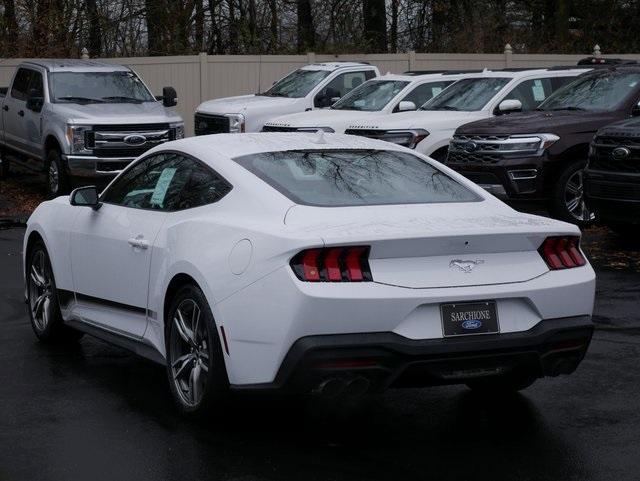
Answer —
567 196
56 183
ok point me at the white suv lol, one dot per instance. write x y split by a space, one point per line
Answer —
382 95
494 92
312 86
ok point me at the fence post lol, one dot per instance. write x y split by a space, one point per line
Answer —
411 59
596 51
202 56
508 55
311 57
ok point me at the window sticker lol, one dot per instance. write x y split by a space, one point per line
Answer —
162 186
538 91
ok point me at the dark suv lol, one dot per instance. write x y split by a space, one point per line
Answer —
539 156
612 177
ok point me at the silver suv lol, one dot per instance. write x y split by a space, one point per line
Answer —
82 119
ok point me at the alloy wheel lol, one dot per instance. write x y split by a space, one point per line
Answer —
189 352
574 198
40 291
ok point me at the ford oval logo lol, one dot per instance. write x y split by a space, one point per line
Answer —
472 324
470 146
620 153
135 139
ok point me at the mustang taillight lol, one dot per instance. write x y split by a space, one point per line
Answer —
333 264
562 252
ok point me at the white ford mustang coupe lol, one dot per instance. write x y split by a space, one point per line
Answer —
309 263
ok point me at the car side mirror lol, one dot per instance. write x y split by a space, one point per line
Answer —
327 97
509 105
169 97
34 101
86 197
406 105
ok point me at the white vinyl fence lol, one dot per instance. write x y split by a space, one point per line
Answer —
197 78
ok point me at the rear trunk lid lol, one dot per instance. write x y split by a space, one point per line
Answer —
437 245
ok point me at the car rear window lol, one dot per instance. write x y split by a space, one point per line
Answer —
333 178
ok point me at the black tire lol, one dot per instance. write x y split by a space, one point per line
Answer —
624 230
213 384
57 182
46 320
563 196
499 385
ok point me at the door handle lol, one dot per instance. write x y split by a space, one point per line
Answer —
21 113
138 242
5 108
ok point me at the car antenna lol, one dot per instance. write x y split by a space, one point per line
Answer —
319 137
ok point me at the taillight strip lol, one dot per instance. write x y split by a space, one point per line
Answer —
333 264
562 252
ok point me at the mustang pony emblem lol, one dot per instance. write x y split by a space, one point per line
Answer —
465 266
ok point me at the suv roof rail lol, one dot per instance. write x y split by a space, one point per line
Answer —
605 61
421 72
457 72
362 62
572 67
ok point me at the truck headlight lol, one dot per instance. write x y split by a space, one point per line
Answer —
77 139
236 123
407 138
531 143
315 129
178 130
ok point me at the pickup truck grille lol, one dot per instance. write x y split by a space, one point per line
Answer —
471 158
210 124
276 128
128 140
603 158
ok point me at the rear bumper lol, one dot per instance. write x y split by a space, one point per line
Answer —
378 361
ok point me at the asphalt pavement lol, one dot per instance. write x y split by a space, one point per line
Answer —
94 411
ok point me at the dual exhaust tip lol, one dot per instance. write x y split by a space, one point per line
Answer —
335 386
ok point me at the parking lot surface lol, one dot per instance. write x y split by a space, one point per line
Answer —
93 411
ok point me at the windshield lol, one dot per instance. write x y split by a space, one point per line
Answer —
96 87
297 84
370 96
594 92
332 178
467 94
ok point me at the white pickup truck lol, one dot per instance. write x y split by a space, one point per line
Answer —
494 92
384 95
312 86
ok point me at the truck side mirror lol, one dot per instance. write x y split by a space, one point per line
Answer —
509 105
169 97
406 106
327 97
85 197
34 101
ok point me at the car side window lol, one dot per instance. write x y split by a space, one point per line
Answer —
36 84
167 182
20 86
531 93
425 92
203 187
346 82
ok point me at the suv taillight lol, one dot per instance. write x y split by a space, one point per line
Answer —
333 264
562 252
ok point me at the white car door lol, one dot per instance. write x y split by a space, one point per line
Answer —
111 248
